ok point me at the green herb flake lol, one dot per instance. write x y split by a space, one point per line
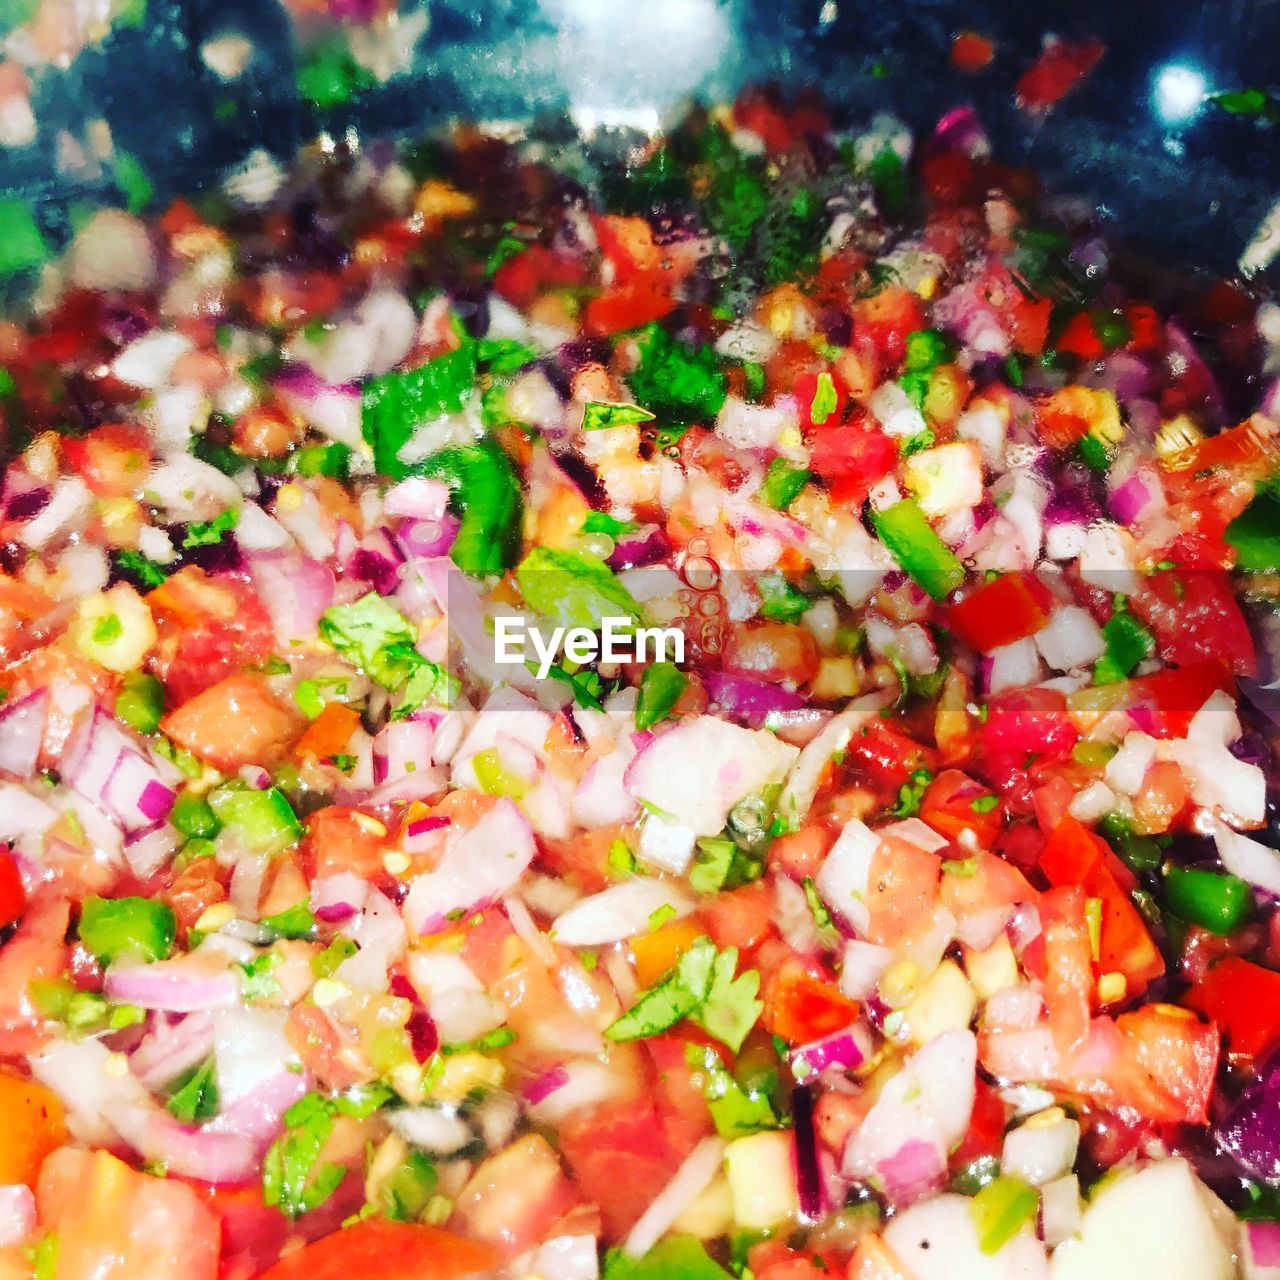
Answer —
599 417
194 1096
661 687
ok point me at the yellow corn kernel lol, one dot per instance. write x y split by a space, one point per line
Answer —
1112 987
289 498
1176 442
116 1066
463 1072
1045 1119
899 983
927 287
395 862
216 917
121 519
370 826
328 991
790 438
441 200
837 678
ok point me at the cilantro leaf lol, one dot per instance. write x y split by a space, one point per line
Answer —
296 922
780 600
660 690
394 405
721 864
598 417
782 483
703 988
573 589
378 639
196 1096
137 569
259 980
291 1182
736 1111
673 1258
680 383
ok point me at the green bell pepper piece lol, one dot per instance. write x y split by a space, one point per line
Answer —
1212 899
114 927
485 492
140 702
917 549
263 821
1255 534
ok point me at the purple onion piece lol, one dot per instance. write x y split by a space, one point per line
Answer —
808 1177
25 505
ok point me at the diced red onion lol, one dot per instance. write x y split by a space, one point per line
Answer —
840 1049
135 794
429 537
424 833
862 967
147 851
1134 497
482 865
912 1171
22 732
182 985
417 498
401 749
810 1188
543 1086
646 546
295 594
255 776
172 1046
749 700
28 503
1024 927
1264 1243
338 897
1249 859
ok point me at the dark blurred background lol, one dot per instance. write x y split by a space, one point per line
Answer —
1135 140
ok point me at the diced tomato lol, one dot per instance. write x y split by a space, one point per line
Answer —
1061 66
902 886
1174 696
115 1224
329 732
1195 617
25 617
874 1260
522 278
622 1157
773 1260
209 628
985 1135
679 1088
197 887
35 1123
851 457
582 858
627 307
886 317
1243 1000
380 1249
994 883
342 839
1068 984
13 897
1010 608
779 125
114 460
741 918
1080 338
971 52
888 754
514 1196
800 853
1179 1053
1027 725
954 804
805 1008
234 723
1075 856
1067 415
656 953
37 952
1146 329
772 651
